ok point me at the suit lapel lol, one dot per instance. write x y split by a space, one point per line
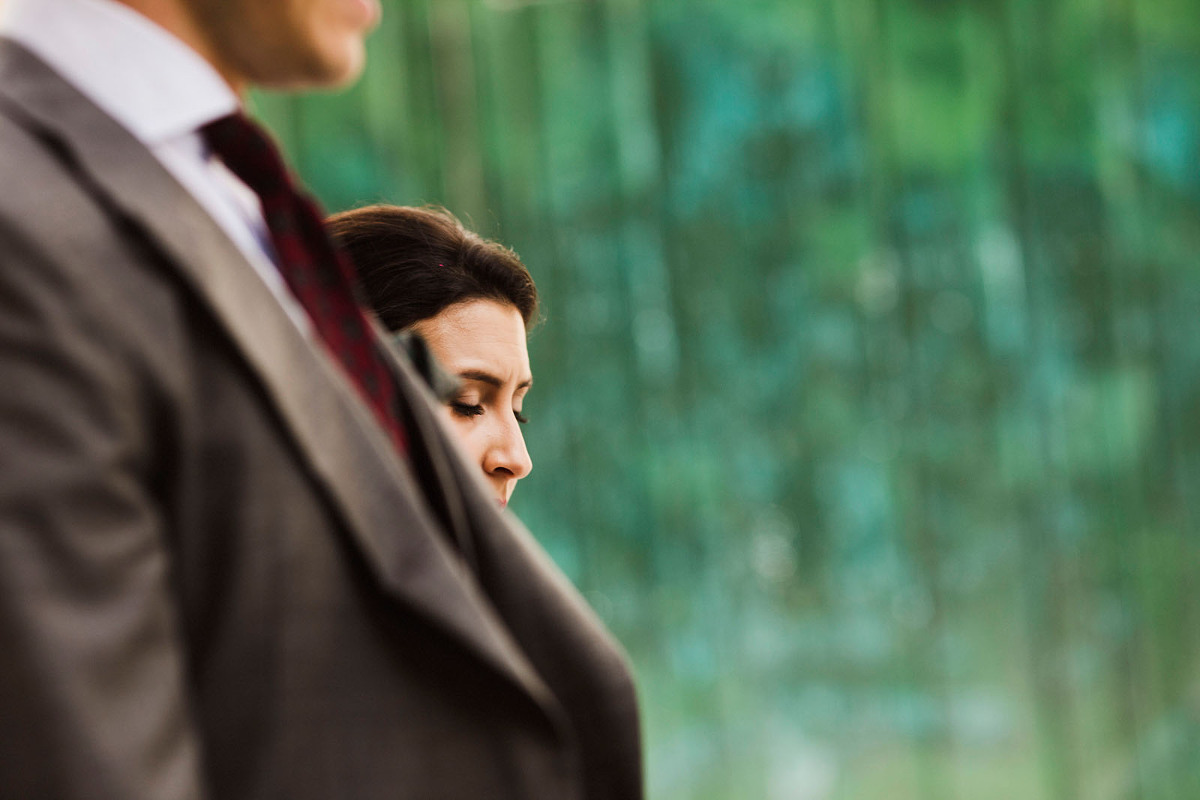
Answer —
351 456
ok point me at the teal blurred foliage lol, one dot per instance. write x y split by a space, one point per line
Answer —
867 405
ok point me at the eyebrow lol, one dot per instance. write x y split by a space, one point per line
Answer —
490 379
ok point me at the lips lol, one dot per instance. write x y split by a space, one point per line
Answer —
366 13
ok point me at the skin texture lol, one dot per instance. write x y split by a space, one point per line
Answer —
483 343
275 43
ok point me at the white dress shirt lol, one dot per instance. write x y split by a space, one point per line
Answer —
162 92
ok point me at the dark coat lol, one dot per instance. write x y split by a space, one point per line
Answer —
217 579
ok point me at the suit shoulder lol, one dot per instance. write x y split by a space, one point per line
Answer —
43 199
66 252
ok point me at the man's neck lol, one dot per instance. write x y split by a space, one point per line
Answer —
179 19
136 70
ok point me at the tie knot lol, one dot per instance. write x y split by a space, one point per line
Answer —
248 152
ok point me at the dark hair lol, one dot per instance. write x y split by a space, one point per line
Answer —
412 263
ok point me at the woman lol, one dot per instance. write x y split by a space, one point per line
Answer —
472 301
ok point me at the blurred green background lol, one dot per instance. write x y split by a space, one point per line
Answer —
867 405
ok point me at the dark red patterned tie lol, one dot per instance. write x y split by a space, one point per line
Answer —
318 274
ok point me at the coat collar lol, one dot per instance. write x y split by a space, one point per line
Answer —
371 486
103 47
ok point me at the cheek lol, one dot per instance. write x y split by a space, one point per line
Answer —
468 433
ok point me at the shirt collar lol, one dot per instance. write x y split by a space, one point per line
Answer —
150 82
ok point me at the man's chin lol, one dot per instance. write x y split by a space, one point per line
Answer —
321 71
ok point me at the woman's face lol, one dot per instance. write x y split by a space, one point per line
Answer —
483 343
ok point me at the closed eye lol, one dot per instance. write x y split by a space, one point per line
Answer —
466 409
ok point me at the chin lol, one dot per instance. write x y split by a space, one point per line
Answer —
346 67
328 67
332 75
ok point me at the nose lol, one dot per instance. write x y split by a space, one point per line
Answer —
506 455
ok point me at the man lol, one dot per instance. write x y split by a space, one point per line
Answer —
235 561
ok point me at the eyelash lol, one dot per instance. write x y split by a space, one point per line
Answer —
466 409
469 410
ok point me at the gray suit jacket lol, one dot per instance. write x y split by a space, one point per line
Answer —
217 579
